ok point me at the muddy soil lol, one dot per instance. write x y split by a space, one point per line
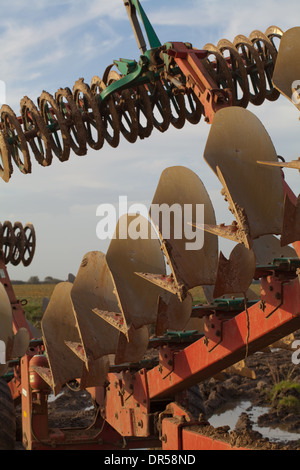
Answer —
75 409
212 395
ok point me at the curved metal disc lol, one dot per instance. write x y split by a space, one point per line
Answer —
291 222
195 324
237 140
235 274
21 343
58 326
6 330
133 349
93 289
97 373
268 247
286 76
173 314
127 256
193 261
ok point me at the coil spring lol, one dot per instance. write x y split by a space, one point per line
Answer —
17 243
73 120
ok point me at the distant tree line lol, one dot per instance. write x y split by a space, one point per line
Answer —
36 280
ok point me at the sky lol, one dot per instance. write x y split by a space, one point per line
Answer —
49 45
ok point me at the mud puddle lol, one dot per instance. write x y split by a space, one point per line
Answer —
230 417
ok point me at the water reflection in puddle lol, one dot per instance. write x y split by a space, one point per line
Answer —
229 418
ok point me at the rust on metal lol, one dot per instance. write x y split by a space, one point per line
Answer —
180 188
236 274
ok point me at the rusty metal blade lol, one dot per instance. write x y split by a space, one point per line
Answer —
291 222
173 314
268 247
237 232
44 373
113 318
97 373
235 274
93 289
133 349
165 282
192 262
126 256
58 326
294 164
286 74
237 140
77 349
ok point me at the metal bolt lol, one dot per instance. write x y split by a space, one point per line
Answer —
262 305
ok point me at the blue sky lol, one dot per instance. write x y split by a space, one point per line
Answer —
48 45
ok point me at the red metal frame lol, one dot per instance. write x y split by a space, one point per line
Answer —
199 80
135 403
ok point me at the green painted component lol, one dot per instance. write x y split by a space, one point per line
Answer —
287 264
126 66
282 264
140 75
181 334
8 376
134 73
232 305
154 42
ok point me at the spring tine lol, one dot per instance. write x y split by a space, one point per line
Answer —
8 241
17 140
29 244
19 245
71 119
